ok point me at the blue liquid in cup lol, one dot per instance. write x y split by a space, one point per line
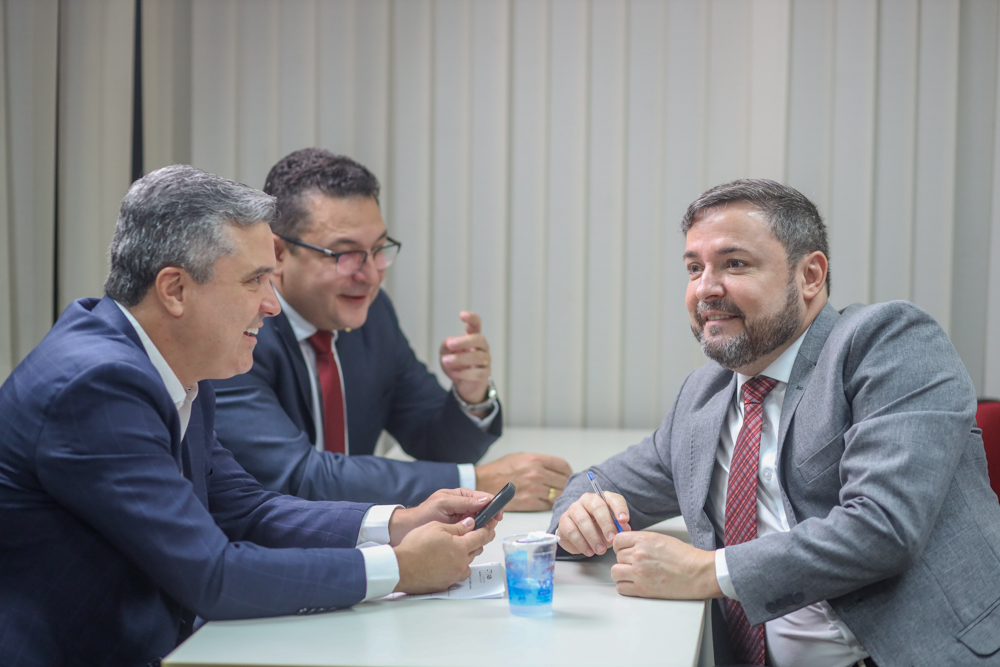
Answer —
530 590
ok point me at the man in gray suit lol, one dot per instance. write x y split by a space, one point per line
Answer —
827 465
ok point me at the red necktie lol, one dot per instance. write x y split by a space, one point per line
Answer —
741 512
333 398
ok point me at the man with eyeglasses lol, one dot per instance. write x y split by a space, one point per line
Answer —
334 370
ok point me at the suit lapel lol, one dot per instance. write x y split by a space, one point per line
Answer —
802 370
287 338
706 427
805 363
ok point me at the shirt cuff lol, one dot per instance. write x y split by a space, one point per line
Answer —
722 574
467 476
381 571
484 422
375 526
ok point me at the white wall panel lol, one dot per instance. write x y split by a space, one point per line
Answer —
895 151
407 192
605 213
166 75
451 172
991 370
973 181
849 215
528 211
95 123
810 102
30 37
768 113
258 91
937 87
298 71
685 129
728 90
644 210
7 362
371 80
537 156
214 76
336 56
490 166
567 214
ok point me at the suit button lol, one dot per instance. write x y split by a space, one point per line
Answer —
364 533
771 607
798 597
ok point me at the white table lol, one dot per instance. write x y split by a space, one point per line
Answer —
590 624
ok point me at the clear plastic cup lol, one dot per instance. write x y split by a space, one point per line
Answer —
530 562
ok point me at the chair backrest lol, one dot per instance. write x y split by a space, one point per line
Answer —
988 419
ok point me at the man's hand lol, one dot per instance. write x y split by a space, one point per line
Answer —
651 565
586 527
434 556
446 506
534 476
466 360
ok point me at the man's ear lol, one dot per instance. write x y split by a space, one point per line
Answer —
812 269
280 253
173 288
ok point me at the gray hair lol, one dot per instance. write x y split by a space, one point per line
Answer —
791 217
176 216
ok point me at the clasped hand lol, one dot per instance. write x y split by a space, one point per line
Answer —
649 565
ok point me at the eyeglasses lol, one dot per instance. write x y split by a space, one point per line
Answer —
351 261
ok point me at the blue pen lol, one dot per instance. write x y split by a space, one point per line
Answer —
597 488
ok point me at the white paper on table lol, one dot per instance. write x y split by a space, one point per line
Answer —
486 581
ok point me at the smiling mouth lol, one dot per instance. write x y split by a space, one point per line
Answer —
251 332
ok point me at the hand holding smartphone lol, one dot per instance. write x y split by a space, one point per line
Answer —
495 505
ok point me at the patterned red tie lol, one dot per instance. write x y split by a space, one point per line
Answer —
741 512
333 397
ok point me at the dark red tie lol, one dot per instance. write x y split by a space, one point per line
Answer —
333 398
741 512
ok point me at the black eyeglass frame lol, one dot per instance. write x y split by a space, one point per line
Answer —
336 255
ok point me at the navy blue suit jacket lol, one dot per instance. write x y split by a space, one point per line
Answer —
113 528
265 417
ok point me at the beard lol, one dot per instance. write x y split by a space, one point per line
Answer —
760 336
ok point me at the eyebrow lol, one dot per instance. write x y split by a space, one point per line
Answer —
259 271
352 242
728 250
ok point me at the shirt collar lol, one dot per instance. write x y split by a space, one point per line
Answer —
781 368
178 394
300 325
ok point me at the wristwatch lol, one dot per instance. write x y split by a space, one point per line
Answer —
491 399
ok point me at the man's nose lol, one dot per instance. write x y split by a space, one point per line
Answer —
270 306
709 285
368 273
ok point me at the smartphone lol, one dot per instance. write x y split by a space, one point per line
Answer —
495 505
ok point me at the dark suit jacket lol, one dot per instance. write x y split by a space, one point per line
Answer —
112 528
883 479
265 417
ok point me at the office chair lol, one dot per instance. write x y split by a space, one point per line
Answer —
988 419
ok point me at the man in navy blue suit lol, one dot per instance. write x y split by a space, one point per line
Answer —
122 517
332 250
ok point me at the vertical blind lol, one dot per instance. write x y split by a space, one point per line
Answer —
537 155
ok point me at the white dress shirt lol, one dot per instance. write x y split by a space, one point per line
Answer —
381 567
813 635
303 330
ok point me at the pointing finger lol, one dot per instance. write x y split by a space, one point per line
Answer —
473 324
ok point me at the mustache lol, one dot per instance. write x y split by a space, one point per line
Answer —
724 305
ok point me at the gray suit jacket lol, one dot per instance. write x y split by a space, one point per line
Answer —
884 484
